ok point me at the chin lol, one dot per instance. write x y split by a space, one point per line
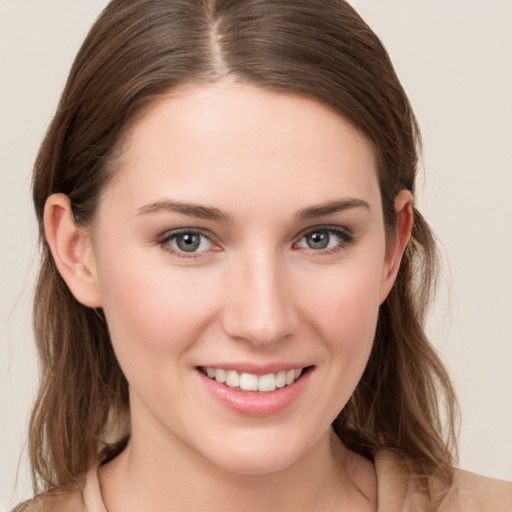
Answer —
260 456
256 464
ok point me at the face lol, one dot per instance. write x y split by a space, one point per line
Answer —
240 259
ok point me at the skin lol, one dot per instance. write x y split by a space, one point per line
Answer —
254 292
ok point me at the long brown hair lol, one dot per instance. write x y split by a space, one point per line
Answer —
138 50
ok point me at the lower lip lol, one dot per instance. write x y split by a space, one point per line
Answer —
256 404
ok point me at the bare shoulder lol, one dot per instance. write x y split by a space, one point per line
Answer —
474 492
56 500
398 489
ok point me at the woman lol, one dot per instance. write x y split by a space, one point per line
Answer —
230 307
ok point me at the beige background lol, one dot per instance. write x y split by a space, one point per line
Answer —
455 60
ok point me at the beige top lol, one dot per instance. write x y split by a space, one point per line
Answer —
396 492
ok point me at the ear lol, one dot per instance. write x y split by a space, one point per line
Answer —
396 246
72 250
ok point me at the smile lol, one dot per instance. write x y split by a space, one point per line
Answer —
251 382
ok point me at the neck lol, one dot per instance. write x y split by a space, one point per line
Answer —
169 476
143 479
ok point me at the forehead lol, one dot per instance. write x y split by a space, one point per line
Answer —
206 139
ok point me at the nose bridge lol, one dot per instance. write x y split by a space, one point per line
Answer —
261 303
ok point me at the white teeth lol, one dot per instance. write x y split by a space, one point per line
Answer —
251 382
232 379
267 382
248 382
281 379
220 375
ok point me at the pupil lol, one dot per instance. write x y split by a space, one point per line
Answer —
188 243
318 240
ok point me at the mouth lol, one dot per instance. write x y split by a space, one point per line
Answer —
252 383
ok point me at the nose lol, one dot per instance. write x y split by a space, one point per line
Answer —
260 303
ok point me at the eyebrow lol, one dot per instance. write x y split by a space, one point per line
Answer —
211 213
190 209
330 208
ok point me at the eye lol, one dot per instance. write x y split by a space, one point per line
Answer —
184 242
324 239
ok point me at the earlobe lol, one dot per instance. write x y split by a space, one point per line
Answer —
395 251
71 250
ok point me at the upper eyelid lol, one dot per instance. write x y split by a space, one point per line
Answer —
164 241
324 227
346 235
167 235
179 231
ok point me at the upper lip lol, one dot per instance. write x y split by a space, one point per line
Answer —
256 369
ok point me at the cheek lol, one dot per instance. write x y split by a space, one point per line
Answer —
344 313
339 314
152 310
344 306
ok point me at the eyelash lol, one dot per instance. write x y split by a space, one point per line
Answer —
165 242
345 236
346 239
